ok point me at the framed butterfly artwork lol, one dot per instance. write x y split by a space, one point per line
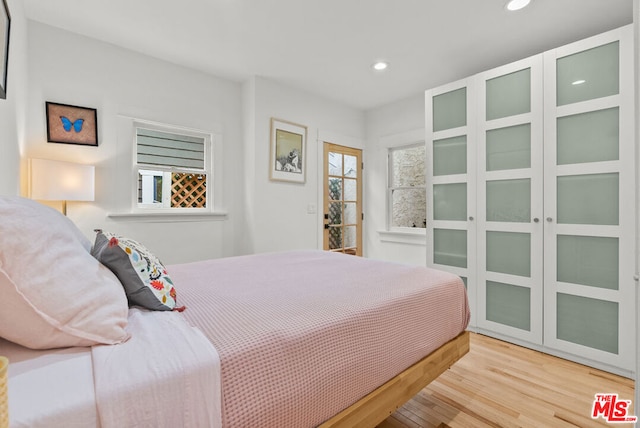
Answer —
71 124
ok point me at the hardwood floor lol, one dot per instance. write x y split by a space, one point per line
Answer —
498 384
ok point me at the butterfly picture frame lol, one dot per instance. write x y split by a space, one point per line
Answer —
70 124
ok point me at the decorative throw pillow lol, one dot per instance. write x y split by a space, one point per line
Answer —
54 294
143 276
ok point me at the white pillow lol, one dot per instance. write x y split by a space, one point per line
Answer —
54 293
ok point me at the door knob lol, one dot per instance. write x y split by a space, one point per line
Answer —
549 219
536 220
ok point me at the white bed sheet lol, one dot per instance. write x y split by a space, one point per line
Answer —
166 375
50 389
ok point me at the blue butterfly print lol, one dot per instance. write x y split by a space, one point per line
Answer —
67 124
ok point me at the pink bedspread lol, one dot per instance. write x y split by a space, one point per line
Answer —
303 335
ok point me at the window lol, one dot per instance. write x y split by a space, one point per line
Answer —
407 189
173 167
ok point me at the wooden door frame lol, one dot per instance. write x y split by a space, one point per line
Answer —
328 147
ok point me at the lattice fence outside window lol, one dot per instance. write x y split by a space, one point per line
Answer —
188 190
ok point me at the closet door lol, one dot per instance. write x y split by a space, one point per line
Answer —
509 187
589 201
450 140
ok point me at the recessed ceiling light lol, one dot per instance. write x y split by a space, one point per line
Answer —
380 65
578 82
517 4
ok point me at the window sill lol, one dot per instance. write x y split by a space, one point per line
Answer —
168 217
411 236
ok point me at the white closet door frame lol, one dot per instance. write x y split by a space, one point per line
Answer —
623 362
533 227
469 178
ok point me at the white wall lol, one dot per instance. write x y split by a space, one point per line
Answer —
383 124
13 109
72 69
262 215
636 65
278 216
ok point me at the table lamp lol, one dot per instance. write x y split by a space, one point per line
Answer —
61 181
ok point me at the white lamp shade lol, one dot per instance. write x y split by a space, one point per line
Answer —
61 181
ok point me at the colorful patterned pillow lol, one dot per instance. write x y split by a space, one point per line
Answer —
143 276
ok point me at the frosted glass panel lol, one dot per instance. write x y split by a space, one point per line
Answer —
335 238
509 148
509 305
590 74
335 163
409 207
450 201
588 137
350 214
509 200
450 247
450 156
350 166
350 236
350 190
335 189
450 110
509 252
407 165
589 322
509 95
588 199
588 260
335 213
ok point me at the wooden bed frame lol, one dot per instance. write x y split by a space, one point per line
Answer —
381 403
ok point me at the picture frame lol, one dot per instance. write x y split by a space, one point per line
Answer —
70 124
287 156
5 32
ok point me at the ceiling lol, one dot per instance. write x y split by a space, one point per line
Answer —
327 47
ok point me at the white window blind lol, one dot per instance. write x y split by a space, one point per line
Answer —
170 150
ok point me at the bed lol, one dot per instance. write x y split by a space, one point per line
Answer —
301 338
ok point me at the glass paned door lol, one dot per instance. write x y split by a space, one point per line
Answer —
589 182
342 199
510 201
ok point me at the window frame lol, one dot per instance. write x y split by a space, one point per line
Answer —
391 188
209 148
406 235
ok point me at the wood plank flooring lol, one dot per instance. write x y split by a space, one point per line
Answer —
498 384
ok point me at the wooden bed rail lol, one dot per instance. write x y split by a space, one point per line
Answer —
381 403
